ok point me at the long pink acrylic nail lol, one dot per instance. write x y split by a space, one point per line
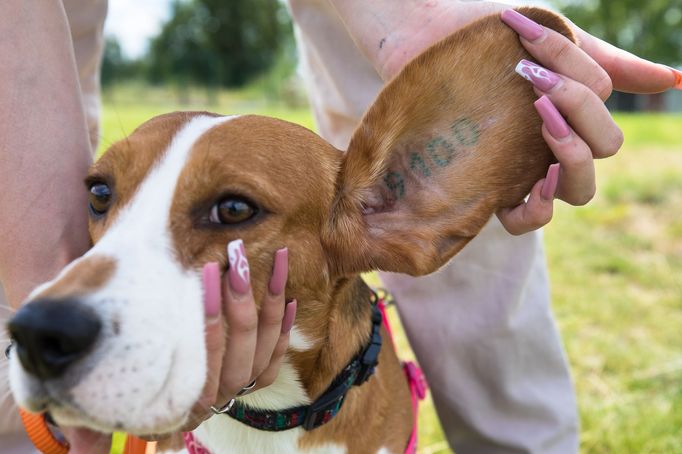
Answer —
280 269
554 122
211 281
239 267
525 27
678 79
542 78
551 182
289 316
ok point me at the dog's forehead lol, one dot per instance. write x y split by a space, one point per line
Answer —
281 151
262 154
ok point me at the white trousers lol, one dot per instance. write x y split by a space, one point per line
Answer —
481 327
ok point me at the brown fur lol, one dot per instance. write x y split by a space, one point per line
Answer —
468 119
87 275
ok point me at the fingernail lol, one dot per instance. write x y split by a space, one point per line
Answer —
554 122
678 78
551 182
239 267
211 281
525 27
542 78
280 270
289 316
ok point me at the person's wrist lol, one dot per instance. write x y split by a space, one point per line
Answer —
421 27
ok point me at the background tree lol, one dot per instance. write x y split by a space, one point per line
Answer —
651 29
115 66
217 42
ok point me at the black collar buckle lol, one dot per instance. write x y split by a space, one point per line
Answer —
325 407
370 357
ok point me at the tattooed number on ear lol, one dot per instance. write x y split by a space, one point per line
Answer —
439 153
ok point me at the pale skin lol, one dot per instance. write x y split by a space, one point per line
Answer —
45 151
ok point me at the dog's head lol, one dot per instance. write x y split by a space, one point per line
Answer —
115 341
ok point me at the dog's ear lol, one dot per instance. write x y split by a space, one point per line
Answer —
453 138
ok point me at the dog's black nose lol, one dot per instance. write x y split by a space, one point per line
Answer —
50 335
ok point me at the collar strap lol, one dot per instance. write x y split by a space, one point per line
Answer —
320 412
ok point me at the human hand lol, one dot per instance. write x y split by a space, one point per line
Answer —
578 91
256 340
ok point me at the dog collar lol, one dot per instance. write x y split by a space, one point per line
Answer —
415 379
325 407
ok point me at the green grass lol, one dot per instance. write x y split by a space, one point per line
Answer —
616 271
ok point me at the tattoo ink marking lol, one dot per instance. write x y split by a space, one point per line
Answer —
382 42
466 132
396 184
416 161
441 151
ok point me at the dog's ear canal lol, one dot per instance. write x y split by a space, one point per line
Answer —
452 139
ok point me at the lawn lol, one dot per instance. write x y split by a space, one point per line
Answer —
616 270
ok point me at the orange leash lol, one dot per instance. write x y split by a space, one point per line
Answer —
47 443
40 434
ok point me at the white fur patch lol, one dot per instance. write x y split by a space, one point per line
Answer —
223 435
299 341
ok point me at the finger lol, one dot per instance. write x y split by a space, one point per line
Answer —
537 211
629 72
271 313
586 113
242 323
214 337
268 376
576 179
553 50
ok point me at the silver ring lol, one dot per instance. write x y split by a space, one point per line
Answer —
247 388
224 409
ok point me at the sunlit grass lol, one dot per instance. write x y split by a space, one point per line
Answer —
616 270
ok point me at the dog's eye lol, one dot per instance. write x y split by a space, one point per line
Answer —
232 210
100 198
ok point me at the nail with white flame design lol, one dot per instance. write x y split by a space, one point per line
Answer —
239 267
542 78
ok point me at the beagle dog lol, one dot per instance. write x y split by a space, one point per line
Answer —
115 341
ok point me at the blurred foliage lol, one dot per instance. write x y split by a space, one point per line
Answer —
651 29
217 43
116 67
